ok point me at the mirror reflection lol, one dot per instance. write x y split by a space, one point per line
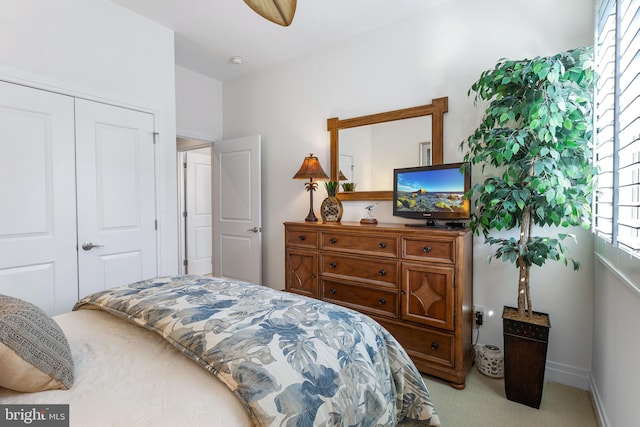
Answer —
368 154
366 149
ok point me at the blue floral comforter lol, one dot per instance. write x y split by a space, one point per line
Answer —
291 360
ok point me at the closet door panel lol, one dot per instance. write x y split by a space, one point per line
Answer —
38 259
116 196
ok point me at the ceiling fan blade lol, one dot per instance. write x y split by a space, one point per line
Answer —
278 11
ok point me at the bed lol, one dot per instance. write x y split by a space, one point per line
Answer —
190 350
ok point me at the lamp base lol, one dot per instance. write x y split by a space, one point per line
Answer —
311 217
311 187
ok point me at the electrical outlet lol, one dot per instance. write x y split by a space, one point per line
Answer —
478 315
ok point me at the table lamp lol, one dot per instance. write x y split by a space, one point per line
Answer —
311 169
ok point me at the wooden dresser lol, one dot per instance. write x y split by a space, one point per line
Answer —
416 282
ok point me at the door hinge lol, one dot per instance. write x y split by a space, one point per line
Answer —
185 262
155 136
184 165
156 224
184 214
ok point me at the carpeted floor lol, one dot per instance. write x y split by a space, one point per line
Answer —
483 403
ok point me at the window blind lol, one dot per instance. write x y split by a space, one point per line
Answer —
617 123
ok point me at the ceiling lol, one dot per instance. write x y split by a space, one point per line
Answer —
209 32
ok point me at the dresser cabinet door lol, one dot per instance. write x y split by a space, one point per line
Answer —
428 295
302 272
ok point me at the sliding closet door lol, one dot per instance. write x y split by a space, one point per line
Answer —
37 198
116 196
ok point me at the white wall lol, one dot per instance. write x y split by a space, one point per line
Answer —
616 370
101 51
438 53
198 105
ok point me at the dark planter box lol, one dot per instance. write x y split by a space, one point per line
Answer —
525 356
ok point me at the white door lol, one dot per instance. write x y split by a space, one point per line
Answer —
237 221
198 212
38 259
116 200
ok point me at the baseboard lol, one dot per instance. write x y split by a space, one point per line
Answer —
597 404
567 375
579 378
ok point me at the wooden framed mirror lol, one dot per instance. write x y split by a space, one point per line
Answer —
422 129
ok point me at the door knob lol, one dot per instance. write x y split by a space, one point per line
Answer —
255 229
87 246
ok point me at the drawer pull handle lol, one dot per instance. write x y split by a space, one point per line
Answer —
426 249
333 240
333 265
313 275
302 237
435 345
382 301
382 273
332 291
382 245
403 292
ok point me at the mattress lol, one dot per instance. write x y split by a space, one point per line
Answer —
114 386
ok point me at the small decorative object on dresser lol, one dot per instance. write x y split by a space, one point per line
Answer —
369 219
416 282
331 207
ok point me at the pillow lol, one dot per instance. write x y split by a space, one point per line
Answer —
34 353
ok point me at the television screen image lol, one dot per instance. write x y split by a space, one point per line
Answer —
431 192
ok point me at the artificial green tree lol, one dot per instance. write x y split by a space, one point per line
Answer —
536 133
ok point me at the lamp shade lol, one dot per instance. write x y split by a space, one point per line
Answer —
311 169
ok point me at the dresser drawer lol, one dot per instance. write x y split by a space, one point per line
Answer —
423 344
439 250
376 270
379 245
361 298
301 238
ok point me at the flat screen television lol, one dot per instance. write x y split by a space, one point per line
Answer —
432 193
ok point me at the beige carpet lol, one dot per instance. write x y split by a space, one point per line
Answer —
483 403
